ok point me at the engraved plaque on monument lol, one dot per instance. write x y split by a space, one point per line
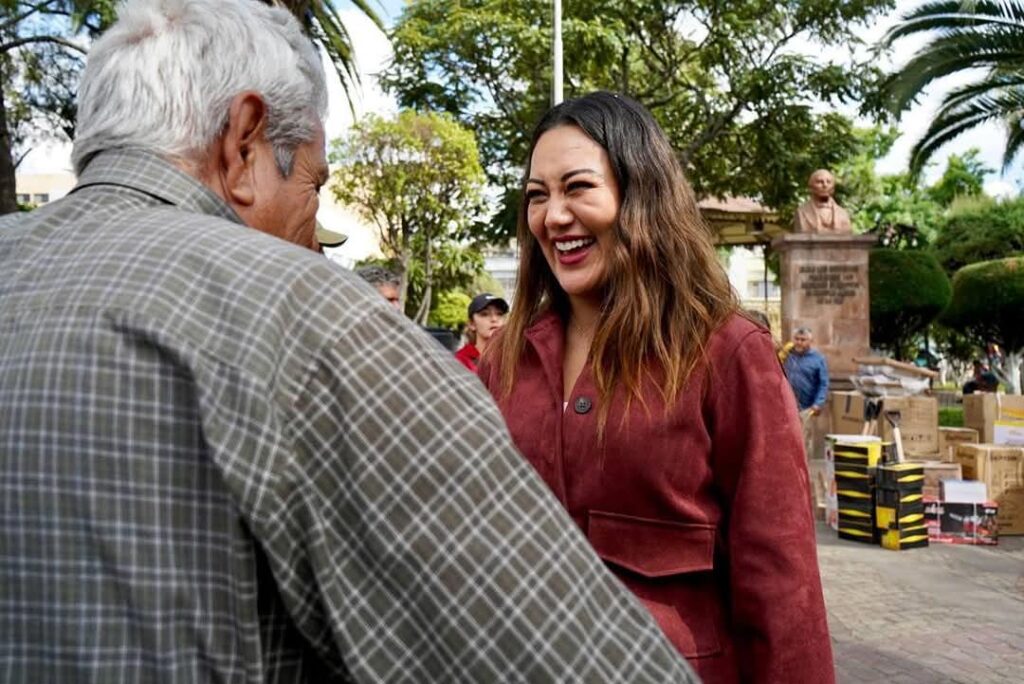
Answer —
824 279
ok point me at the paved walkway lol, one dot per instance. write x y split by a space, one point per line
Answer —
938 615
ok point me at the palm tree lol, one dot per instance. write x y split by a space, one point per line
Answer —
967 35
322 22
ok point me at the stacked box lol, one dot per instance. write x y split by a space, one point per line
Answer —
855 465
1001 468
950 437
933 516
919 419
983 409
899 506
848 445
935 472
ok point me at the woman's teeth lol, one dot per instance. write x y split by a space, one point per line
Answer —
568 246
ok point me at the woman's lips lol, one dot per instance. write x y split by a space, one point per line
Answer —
573 250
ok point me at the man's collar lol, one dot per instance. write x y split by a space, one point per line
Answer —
148 173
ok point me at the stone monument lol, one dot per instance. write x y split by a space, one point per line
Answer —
824 279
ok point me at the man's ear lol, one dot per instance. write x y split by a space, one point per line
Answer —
241 144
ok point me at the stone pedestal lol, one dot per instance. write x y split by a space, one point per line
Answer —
824 281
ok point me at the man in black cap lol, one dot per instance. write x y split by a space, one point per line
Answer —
486 317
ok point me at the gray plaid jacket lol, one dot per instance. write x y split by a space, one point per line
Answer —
223 458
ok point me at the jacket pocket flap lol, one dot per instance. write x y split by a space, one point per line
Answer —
653 548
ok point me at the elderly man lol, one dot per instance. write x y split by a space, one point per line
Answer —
386 282
807 371
223 458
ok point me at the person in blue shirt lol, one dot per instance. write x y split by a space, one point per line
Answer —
808 376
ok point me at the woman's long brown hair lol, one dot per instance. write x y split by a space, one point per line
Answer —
666 292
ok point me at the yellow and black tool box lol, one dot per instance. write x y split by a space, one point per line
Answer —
867 454
911 537
895 497
855 530
899 517
846 502
855 517
905 477
852 478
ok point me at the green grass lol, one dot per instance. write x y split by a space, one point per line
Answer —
951 416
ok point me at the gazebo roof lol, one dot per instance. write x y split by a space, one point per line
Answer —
741 220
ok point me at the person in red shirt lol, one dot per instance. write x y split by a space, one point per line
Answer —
486 316
656 411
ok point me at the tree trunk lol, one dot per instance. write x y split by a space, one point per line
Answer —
8 198
403 284
1013 364
428 284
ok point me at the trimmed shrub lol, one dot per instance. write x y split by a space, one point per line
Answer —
988 302
908 291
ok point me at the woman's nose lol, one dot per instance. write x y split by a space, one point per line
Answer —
558 213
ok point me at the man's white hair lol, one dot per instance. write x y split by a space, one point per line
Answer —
162 78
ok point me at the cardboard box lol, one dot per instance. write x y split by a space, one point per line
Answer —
847 409
1001 468
950 437
935 472
963 491
945 522
1009 432
969 523
919 420
919 424
983 409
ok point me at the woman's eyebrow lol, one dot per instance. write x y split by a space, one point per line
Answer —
567 175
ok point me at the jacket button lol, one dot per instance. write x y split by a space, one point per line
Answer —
582 405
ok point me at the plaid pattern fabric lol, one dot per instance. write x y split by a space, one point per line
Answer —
223 458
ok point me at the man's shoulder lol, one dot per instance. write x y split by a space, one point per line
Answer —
206 280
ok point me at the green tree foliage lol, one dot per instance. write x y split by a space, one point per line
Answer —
418 179
897 206
456 267
958 349
964 177
321 20
986 35
450 310
724 78
908 291
42 45
980 232
988 298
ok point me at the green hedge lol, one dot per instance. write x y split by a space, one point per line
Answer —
951 416
988 302
909 290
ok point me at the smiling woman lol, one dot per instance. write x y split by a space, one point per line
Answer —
657 414
572 201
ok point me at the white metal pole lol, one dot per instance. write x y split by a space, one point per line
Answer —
556 55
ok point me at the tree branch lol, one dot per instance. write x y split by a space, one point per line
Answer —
18 42
32 10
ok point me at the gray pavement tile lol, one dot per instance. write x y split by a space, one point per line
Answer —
936 615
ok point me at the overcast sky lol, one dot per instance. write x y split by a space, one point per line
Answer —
374 52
